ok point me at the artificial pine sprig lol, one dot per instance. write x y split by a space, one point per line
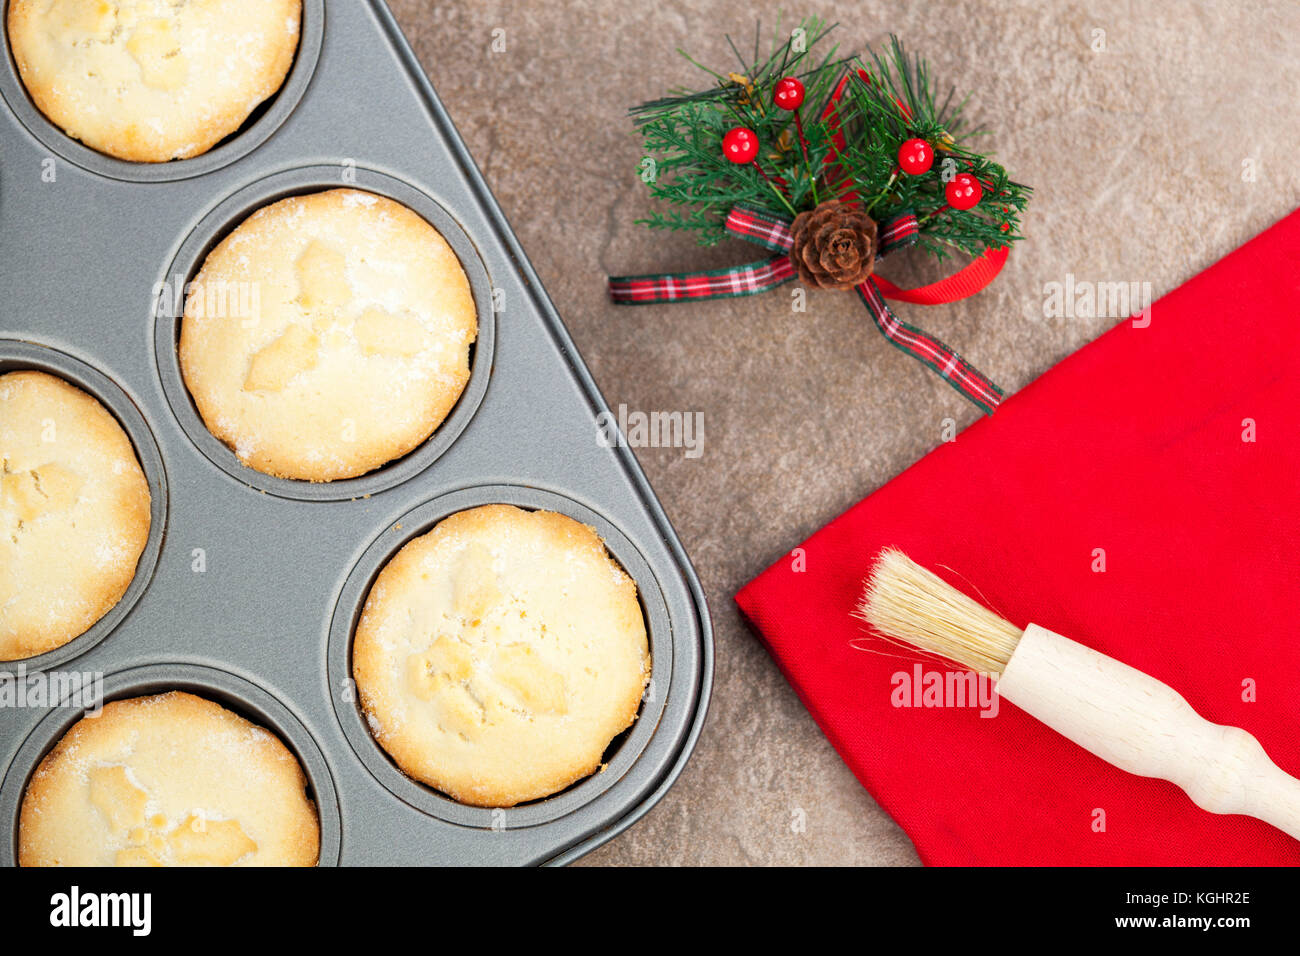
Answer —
892 100
683 132
887 102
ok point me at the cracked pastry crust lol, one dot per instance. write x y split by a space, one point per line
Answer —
74 513
498 655
327 335
168 780
152 80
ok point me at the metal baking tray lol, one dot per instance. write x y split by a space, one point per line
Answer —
250 586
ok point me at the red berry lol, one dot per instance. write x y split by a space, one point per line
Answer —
915 157
740 145
788 94
964 192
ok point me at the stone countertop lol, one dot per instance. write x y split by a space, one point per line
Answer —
1140 155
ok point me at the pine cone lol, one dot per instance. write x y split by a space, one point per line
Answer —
834 245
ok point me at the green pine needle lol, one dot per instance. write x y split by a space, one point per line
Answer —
682 133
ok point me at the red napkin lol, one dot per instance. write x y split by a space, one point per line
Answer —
1134 447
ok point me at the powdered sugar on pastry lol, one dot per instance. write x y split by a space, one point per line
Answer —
498 655
74 513
168 780
355 345
152 80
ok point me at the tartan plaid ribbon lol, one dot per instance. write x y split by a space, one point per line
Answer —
766 229
773 232
725 283
969 381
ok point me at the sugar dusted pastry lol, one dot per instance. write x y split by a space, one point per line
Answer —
168 780
498 655
352 344
74 513
152 80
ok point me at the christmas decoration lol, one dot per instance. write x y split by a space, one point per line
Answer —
834 245
964 192
740 145
915 157
830 162
789 94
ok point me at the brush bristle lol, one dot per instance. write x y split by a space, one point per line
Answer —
905 602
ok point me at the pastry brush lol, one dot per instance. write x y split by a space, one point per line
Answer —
1125 717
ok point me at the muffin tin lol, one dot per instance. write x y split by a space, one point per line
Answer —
250 586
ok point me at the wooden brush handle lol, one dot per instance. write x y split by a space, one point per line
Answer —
1133 721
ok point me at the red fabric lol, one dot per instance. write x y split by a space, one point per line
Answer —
1134 445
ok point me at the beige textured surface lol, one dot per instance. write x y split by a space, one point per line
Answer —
1137 157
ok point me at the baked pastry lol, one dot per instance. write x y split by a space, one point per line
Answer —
152 80
328 334
168 780
74 513
498 655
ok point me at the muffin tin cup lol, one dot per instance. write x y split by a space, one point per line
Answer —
18 356
230 691
256 130
622 754
250 586
224 219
